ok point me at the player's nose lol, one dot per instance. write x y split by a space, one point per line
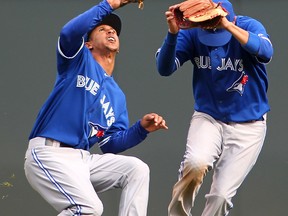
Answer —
111 31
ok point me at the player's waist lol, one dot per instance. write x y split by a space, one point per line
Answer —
42 141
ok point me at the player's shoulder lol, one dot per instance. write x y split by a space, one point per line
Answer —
241 19
247 22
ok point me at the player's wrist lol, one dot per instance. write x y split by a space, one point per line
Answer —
226 24
113 4
173 31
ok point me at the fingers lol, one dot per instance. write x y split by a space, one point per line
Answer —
163 125
171 21
159 121
169 16
153 122
173 7
115 4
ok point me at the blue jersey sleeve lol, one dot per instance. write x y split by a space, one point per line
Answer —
165 56
71 35
119 141
260 46
259 43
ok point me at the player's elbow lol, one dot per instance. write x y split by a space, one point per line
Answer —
265 54
164 68
164 73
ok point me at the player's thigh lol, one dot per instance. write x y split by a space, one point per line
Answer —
114 171
204 139
239 155
61 177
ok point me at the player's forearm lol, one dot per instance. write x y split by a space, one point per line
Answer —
72 33
123 140
165 57
256 44
240 34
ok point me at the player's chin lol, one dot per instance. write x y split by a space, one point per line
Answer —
113 48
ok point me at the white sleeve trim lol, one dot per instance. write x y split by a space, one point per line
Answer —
259 59
104 141
177 62
67 57
265 38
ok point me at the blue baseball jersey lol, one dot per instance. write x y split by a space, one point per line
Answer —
86 105
230 81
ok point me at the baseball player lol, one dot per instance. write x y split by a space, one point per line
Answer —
87 107
228 127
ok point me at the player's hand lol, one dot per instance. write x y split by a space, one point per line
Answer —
224 23
115 4
152 122
171 21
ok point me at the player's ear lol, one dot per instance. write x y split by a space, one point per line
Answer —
88 44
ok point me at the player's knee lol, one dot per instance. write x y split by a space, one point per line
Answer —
143 168
199 160
140 169
194 168
196 165
97 210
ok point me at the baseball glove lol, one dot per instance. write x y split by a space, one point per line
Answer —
199 13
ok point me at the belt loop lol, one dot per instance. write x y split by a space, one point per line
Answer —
50 142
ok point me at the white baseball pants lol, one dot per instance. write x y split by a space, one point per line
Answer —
231 149
69 179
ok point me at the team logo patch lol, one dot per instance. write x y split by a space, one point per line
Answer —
96 130
239 84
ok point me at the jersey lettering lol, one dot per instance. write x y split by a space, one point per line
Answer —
237 65
203 62
108 111
89 84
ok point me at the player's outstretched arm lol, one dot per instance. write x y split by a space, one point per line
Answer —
73 31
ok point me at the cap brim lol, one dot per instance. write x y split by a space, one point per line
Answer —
218 37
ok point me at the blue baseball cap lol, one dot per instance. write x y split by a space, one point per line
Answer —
217 37
112 20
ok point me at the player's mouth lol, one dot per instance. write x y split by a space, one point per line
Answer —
111 39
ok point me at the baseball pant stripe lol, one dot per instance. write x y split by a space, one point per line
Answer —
57 185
